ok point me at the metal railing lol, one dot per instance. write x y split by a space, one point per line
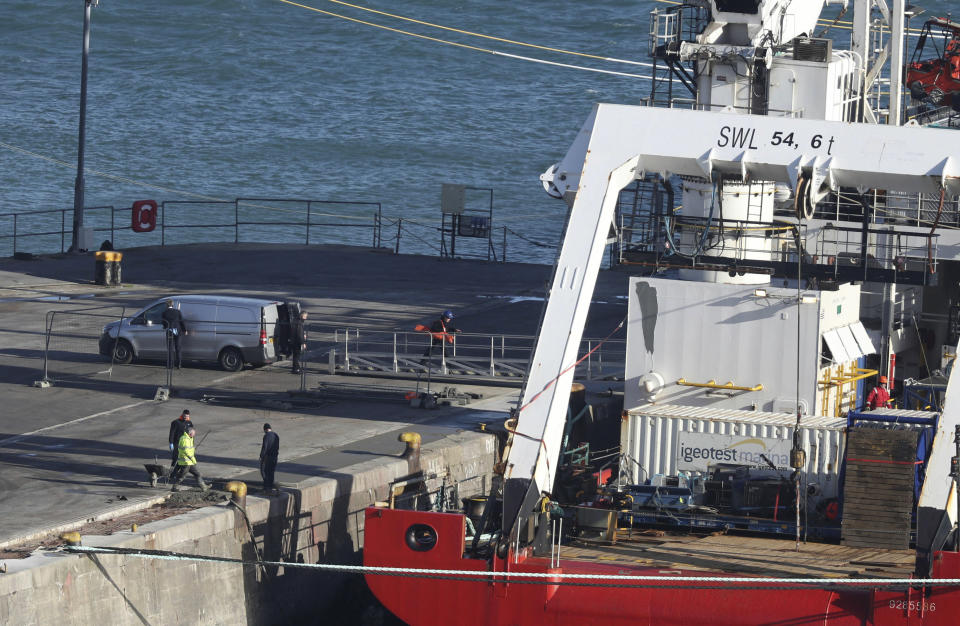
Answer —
475 355
71 347
686 102
53 227
240 210
234 221
920 210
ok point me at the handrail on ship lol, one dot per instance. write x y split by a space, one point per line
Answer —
728 386
839 382
843 378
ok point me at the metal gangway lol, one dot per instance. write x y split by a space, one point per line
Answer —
469 355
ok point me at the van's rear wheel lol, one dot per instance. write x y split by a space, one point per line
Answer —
231 359
122 352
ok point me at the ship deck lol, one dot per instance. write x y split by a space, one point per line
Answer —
742 555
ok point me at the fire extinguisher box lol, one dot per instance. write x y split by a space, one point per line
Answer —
107 268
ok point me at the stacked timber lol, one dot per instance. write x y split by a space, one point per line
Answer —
878 488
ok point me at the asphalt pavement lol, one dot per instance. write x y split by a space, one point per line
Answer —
75 450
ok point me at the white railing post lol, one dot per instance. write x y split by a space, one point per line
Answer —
396 367
589 360
493 367
600 359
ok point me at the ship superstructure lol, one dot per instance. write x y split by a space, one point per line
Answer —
769 220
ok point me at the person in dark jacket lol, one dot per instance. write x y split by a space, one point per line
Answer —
298 340
269 451
173 322
440 331
177 428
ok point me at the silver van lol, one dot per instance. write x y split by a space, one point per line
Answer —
231 330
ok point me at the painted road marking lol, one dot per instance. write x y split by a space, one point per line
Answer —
18 438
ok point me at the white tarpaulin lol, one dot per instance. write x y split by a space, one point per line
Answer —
848 343
837 349
863 339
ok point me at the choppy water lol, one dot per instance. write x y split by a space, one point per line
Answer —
237 98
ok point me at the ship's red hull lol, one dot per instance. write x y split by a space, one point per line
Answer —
451 599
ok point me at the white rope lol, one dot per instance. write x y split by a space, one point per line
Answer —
367 569
470 47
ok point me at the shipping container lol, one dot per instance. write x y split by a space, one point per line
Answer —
668 439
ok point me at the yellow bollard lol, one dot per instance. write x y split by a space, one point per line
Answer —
71 538
238 492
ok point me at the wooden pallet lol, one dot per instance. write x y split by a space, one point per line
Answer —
752 556
878 488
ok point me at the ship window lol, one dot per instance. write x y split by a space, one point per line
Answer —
421 538
739 6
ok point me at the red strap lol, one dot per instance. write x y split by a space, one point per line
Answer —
886 462
420 328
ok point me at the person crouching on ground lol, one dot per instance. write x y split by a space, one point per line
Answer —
187 461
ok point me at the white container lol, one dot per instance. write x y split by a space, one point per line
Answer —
666 439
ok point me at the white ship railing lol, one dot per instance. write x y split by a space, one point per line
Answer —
487 356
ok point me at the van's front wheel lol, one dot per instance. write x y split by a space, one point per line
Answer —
231 359
123 352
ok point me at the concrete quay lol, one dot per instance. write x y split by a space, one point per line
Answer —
75 452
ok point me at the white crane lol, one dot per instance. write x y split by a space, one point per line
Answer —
618 144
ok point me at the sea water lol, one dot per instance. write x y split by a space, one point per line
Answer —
202 101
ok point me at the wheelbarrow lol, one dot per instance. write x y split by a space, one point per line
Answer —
157 472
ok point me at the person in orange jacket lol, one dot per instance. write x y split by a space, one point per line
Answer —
879 396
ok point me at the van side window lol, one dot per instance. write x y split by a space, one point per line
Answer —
193 312
155 313
235 315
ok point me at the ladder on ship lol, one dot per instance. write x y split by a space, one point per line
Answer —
639 219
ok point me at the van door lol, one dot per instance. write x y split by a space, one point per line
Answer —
147 335
200 319
281 338
269 318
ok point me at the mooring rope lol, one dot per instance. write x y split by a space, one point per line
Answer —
473 48
719 582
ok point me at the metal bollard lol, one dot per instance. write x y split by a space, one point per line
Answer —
238 492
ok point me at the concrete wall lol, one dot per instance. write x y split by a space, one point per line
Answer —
59 588
320 522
